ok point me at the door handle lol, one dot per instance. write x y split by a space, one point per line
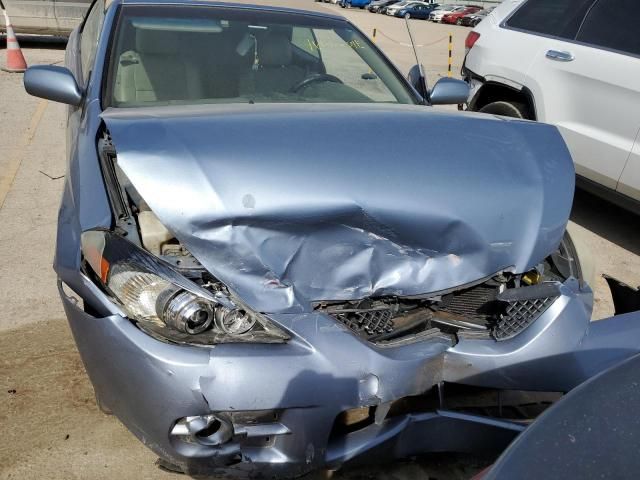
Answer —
560 56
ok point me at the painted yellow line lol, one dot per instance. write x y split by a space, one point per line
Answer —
15 160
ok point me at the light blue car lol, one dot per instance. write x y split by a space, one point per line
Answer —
276 257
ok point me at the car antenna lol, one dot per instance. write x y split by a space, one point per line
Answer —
423 79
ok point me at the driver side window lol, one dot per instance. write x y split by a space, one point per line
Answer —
89 38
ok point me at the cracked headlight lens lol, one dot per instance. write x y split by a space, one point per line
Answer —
165 303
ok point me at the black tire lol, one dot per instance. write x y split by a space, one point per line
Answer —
506 109
459 21
407 16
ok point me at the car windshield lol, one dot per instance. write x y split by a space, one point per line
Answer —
188 55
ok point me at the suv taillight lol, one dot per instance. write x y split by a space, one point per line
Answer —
471 39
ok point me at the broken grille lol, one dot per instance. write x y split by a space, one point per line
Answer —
370 322
473 303
519 315
479 310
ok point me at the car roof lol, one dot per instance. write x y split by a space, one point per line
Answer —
312 8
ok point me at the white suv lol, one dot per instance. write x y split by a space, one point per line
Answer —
572 63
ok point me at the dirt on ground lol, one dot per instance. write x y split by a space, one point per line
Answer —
51 426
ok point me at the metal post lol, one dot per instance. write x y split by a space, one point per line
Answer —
450 55
373 39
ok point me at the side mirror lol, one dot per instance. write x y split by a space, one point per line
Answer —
53 83
449 91
417 81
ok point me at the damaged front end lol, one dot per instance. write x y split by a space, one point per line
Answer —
497 308
242 312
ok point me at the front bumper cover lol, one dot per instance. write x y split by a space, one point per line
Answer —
323 371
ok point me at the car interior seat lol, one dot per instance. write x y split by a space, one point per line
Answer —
157 70
276 71
220 63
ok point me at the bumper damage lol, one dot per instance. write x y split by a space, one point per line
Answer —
288 409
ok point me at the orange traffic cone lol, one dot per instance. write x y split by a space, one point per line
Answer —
15 59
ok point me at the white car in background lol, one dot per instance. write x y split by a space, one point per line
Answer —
574 64
437 14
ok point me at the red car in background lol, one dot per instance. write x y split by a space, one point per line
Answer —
456 17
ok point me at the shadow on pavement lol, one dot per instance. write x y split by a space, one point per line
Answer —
37 41
607 220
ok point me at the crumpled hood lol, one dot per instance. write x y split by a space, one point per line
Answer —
291 204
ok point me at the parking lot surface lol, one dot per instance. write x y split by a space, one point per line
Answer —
49 424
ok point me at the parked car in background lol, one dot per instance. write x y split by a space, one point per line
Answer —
417 10
44 17
393 9
472 19
376 5
574 64
438 13
354 3
455 17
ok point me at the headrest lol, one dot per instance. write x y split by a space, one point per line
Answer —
158 42
275 50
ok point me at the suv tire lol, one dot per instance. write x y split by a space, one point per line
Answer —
506 109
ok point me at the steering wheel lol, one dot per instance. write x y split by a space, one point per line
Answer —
315 78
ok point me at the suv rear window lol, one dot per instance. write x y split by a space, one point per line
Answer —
557 18
613 24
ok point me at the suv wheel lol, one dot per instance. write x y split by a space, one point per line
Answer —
506 109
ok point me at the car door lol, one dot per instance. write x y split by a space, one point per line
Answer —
589 87
622 40
629 183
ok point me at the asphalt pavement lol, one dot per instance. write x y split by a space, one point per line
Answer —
49 424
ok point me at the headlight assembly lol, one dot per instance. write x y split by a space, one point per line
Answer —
165 303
